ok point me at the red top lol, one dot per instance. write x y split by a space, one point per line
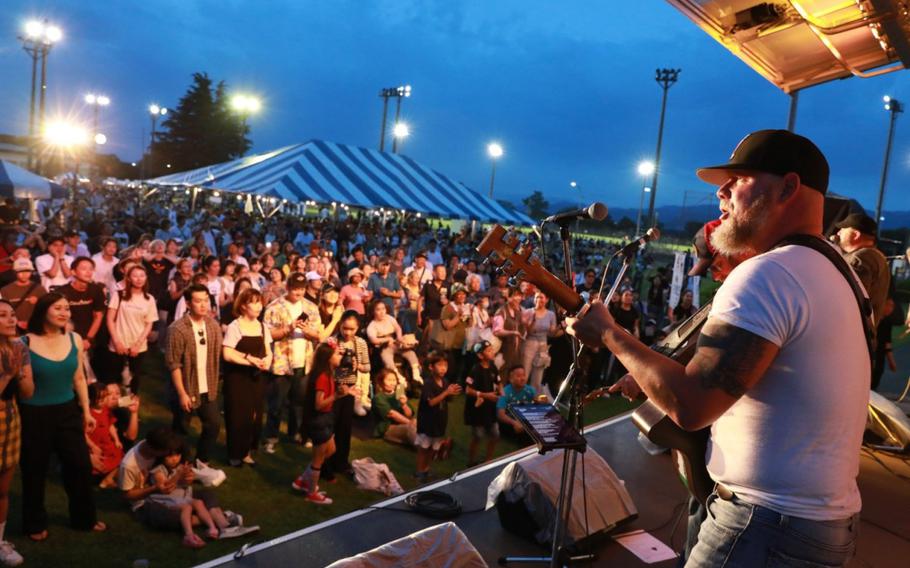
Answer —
326 384
101 437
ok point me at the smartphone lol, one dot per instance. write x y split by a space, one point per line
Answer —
125 401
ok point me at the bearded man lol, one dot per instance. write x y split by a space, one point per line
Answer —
784 326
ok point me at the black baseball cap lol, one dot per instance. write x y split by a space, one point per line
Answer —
859 221
776 152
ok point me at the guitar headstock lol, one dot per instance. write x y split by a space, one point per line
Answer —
504 250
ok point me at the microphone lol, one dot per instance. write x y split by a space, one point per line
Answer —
596 211
652 235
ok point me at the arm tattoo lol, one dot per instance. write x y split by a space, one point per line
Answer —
732 354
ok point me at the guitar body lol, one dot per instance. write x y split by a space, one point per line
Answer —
688 448
514 258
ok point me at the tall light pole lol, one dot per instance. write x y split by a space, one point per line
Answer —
244 106
64 137
645 168
37 39
495 151
96 101
895 107
665 78
399 132
155 111
400 92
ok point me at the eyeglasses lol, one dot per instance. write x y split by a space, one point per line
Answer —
201 337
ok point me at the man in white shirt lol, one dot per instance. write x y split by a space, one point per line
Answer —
193 357
54 266
784 446
422 266
105 261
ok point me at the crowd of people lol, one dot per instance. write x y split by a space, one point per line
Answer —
280 330
313 323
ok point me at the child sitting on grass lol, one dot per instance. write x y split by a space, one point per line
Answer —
105 448
394 418
433 416
171 472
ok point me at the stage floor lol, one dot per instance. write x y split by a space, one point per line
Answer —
884 540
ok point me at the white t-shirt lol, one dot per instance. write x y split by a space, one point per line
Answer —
131 318
233 335
792 442
104 270
44 263
133 472
200 335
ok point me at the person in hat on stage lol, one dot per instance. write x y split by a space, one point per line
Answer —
857 235
784 445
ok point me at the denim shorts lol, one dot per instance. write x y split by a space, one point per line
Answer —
737 533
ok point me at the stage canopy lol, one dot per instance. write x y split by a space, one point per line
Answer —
21 183
326 172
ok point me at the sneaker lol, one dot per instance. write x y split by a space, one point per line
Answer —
8 554
234 532
319 498
269 447
233 519
301 484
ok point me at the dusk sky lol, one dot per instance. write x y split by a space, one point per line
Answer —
567 87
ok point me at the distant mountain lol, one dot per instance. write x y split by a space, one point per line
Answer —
674 217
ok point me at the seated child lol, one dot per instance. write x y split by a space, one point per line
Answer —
518 391
395 420
433 415
172 472
105 449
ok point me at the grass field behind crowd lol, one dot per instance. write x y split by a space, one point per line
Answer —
261 494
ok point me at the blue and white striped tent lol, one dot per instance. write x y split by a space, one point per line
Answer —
327 172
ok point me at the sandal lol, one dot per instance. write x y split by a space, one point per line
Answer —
39 536
192 540
99 527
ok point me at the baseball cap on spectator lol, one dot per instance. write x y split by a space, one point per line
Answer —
704 249
421 254
328 287
23 265
296 280
313 275
71 233
861 222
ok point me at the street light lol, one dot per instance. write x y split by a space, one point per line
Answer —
37 39
155 111
97 101
495 151
245 105
666 78
400 92
64 137
399 133
646 168
895 107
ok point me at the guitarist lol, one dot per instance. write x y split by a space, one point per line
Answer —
784 327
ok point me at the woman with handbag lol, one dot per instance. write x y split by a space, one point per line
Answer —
247 354
535 355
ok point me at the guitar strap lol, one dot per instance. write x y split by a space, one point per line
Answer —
862 299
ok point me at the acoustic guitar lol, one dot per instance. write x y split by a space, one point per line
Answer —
515 258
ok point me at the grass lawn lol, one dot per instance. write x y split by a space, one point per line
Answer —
262 495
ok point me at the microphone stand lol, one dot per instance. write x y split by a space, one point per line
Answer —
570 455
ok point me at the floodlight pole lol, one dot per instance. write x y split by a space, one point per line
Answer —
895 107
791 118
665 78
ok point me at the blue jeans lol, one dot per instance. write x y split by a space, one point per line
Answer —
738 534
